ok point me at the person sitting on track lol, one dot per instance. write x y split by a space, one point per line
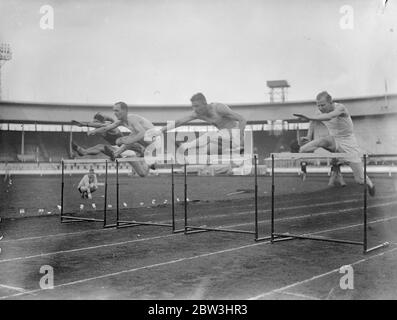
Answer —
341 137
135 141
230 124
110 136
88 184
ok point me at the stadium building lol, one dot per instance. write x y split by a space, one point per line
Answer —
41 132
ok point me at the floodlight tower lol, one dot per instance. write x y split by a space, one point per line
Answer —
278 90
5 55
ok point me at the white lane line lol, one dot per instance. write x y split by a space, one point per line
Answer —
56 235
351 226
201 217
177 261
302 199
311 215
299 295
236 192
223 215
12 288
281 290
172 235
194 218
85 248
110 229
137 269
165 221
280 209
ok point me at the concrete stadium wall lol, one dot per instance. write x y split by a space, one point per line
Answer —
377 134
374 121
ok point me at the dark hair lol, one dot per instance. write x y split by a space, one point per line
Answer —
198 97
98 116
324 94
122 105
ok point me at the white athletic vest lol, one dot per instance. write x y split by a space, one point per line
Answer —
341 126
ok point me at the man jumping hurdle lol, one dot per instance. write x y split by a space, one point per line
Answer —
230 127
110 136
135 141
341 137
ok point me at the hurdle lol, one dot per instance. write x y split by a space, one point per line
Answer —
133 223
67 217
188 228
275 236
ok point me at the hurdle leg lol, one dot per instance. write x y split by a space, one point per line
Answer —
185 197
272 209
257 238
380 246
106 195
105 224
288 236
256 199
365 216
365 206
62 189
174 230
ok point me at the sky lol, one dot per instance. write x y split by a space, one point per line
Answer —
161 52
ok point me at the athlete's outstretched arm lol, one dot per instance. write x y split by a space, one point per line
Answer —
338 111
179 122
99 124
106 128
93 124
96 124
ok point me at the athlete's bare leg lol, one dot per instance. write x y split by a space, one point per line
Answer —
140 166
327 143
97 149
358 173
339 178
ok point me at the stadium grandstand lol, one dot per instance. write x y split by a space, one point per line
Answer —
34 138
